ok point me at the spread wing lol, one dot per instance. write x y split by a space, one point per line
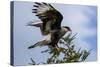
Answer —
50 17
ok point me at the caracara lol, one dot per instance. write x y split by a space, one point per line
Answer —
49 24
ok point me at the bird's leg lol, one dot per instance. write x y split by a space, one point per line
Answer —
57 48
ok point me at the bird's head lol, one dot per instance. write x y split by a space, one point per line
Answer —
66 28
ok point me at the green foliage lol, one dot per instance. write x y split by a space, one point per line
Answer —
70 54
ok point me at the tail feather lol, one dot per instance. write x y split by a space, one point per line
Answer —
40 43
35 45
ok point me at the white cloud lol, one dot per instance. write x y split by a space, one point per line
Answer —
78 18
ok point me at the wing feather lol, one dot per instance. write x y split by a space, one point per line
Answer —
48 15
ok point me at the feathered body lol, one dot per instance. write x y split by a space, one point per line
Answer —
50 24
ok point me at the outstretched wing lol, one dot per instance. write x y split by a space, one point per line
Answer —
50 17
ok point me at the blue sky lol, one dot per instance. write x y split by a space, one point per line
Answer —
81 18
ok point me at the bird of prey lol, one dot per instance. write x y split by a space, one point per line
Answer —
49 24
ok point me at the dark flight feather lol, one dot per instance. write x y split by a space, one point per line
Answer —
48 15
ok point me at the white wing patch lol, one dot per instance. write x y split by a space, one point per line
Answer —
47 38
43 8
